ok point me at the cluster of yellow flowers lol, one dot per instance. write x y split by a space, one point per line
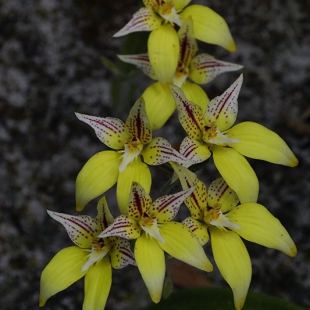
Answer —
225 212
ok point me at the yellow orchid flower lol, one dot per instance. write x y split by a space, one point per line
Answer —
150 224
216 213
92 257
123 164
209 26
172 59
213 132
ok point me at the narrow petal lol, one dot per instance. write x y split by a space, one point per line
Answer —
167 207
194 150
150 260
197 201
256 141
159 104
139 202
98 175
223 109
219 193
199 229
82 229
104 216
204 68
137 122
260 226
136 171
98 282
237 173
196 94
190 114
233 261
188 44
64 269
163 48
123 227
142 62
142 20
121 254
160 151
183 245
109 130
209 26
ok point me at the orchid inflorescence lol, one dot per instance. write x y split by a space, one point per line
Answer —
224 213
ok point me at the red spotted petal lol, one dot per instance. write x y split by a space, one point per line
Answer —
223 109
138 124
142 20
190 114
167 207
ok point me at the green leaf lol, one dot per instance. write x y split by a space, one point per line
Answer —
218 299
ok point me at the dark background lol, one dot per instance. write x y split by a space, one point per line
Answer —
50 67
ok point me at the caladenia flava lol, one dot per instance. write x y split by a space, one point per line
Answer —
146 231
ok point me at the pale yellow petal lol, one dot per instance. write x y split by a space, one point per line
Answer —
150 260
183 245
196 94
98 282
237 173
209 26
180 4
98 175
64 269
159 104
163 48
199 229
136 171
256 141
260 226
233 261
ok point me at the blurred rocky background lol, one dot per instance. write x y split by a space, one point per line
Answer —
51 66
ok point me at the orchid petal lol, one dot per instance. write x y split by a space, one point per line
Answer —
183 245
194 150
98 175
233 261
163 49
209 26
222 110
142 20
204 68
197 201
109 130
256 141
123 227
98 282
237 173
150 260
199 229
104 216
188 49
160 151
139 202
196 94
137 122
82 229
142 62
121 254
64 269
167 207
260 226
220 193
152 5
159 104
136 171
190 114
